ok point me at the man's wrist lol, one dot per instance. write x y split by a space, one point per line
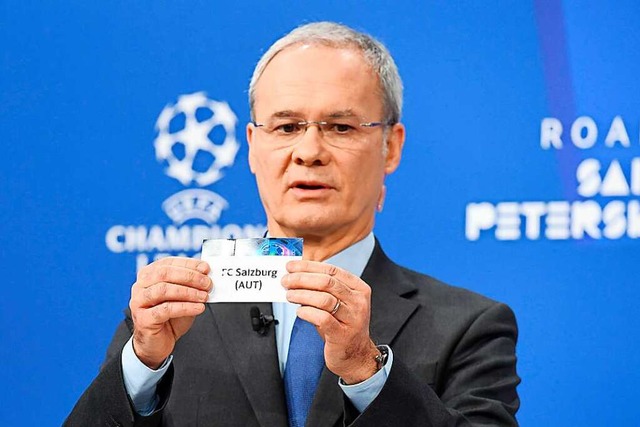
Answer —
368 367
362 394
149 362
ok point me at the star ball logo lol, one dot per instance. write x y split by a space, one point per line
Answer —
195 142
196 128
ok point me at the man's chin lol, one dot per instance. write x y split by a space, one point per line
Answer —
308 225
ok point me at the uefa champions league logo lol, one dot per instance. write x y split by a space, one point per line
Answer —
196 140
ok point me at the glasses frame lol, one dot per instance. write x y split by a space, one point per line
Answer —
288 140
320 123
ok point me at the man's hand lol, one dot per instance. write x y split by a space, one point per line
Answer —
165 299
348 350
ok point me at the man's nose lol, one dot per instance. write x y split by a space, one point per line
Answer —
310 149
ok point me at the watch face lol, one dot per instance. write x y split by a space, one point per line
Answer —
381 359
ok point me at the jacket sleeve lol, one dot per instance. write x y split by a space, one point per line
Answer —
479 385
105 402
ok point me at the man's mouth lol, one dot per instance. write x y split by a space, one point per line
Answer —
310 185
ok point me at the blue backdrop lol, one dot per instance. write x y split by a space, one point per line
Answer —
520 178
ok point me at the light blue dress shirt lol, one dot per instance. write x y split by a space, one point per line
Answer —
141 381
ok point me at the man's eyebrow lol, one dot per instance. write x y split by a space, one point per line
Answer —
342 114
333 115
285 114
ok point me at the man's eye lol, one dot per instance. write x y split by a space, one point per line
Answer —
287 128
341 127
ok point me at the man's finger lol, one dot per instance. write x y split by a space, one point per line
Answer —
170 310
190 263
317 282
323 321
164 292
343 276
174 274
322 300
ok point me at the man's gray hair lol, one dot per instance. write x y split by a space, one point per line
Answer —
341 36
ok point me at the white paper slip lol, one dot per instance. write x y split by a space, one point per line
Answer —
248 278
249 270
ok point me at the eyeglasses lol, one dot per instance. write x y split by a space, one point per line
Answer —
338 132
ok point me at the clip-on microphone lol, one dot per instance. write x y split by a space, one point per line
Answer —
261 322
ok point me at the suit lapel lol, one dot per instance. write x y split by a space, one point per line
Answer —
255 359
390 309
391 306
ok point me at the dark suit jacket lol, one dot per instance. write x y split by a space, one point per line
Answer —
454 365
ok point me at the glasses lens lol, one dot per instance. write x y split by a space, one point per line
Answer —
337 132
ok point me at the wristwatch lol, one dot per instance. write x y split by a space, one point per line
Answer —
381 358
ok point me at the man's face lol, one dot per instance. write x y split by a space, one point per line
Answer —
309 186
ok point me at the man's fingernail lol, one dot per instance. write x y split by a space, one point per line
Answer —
202 267
205 280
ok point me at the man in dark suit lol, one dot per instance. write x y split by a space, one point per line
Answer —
325 104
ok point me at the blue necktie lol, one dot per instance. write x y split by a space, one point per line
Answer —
302 372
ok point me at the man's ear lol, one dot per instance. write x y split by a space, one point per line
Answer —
250 133
395 142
